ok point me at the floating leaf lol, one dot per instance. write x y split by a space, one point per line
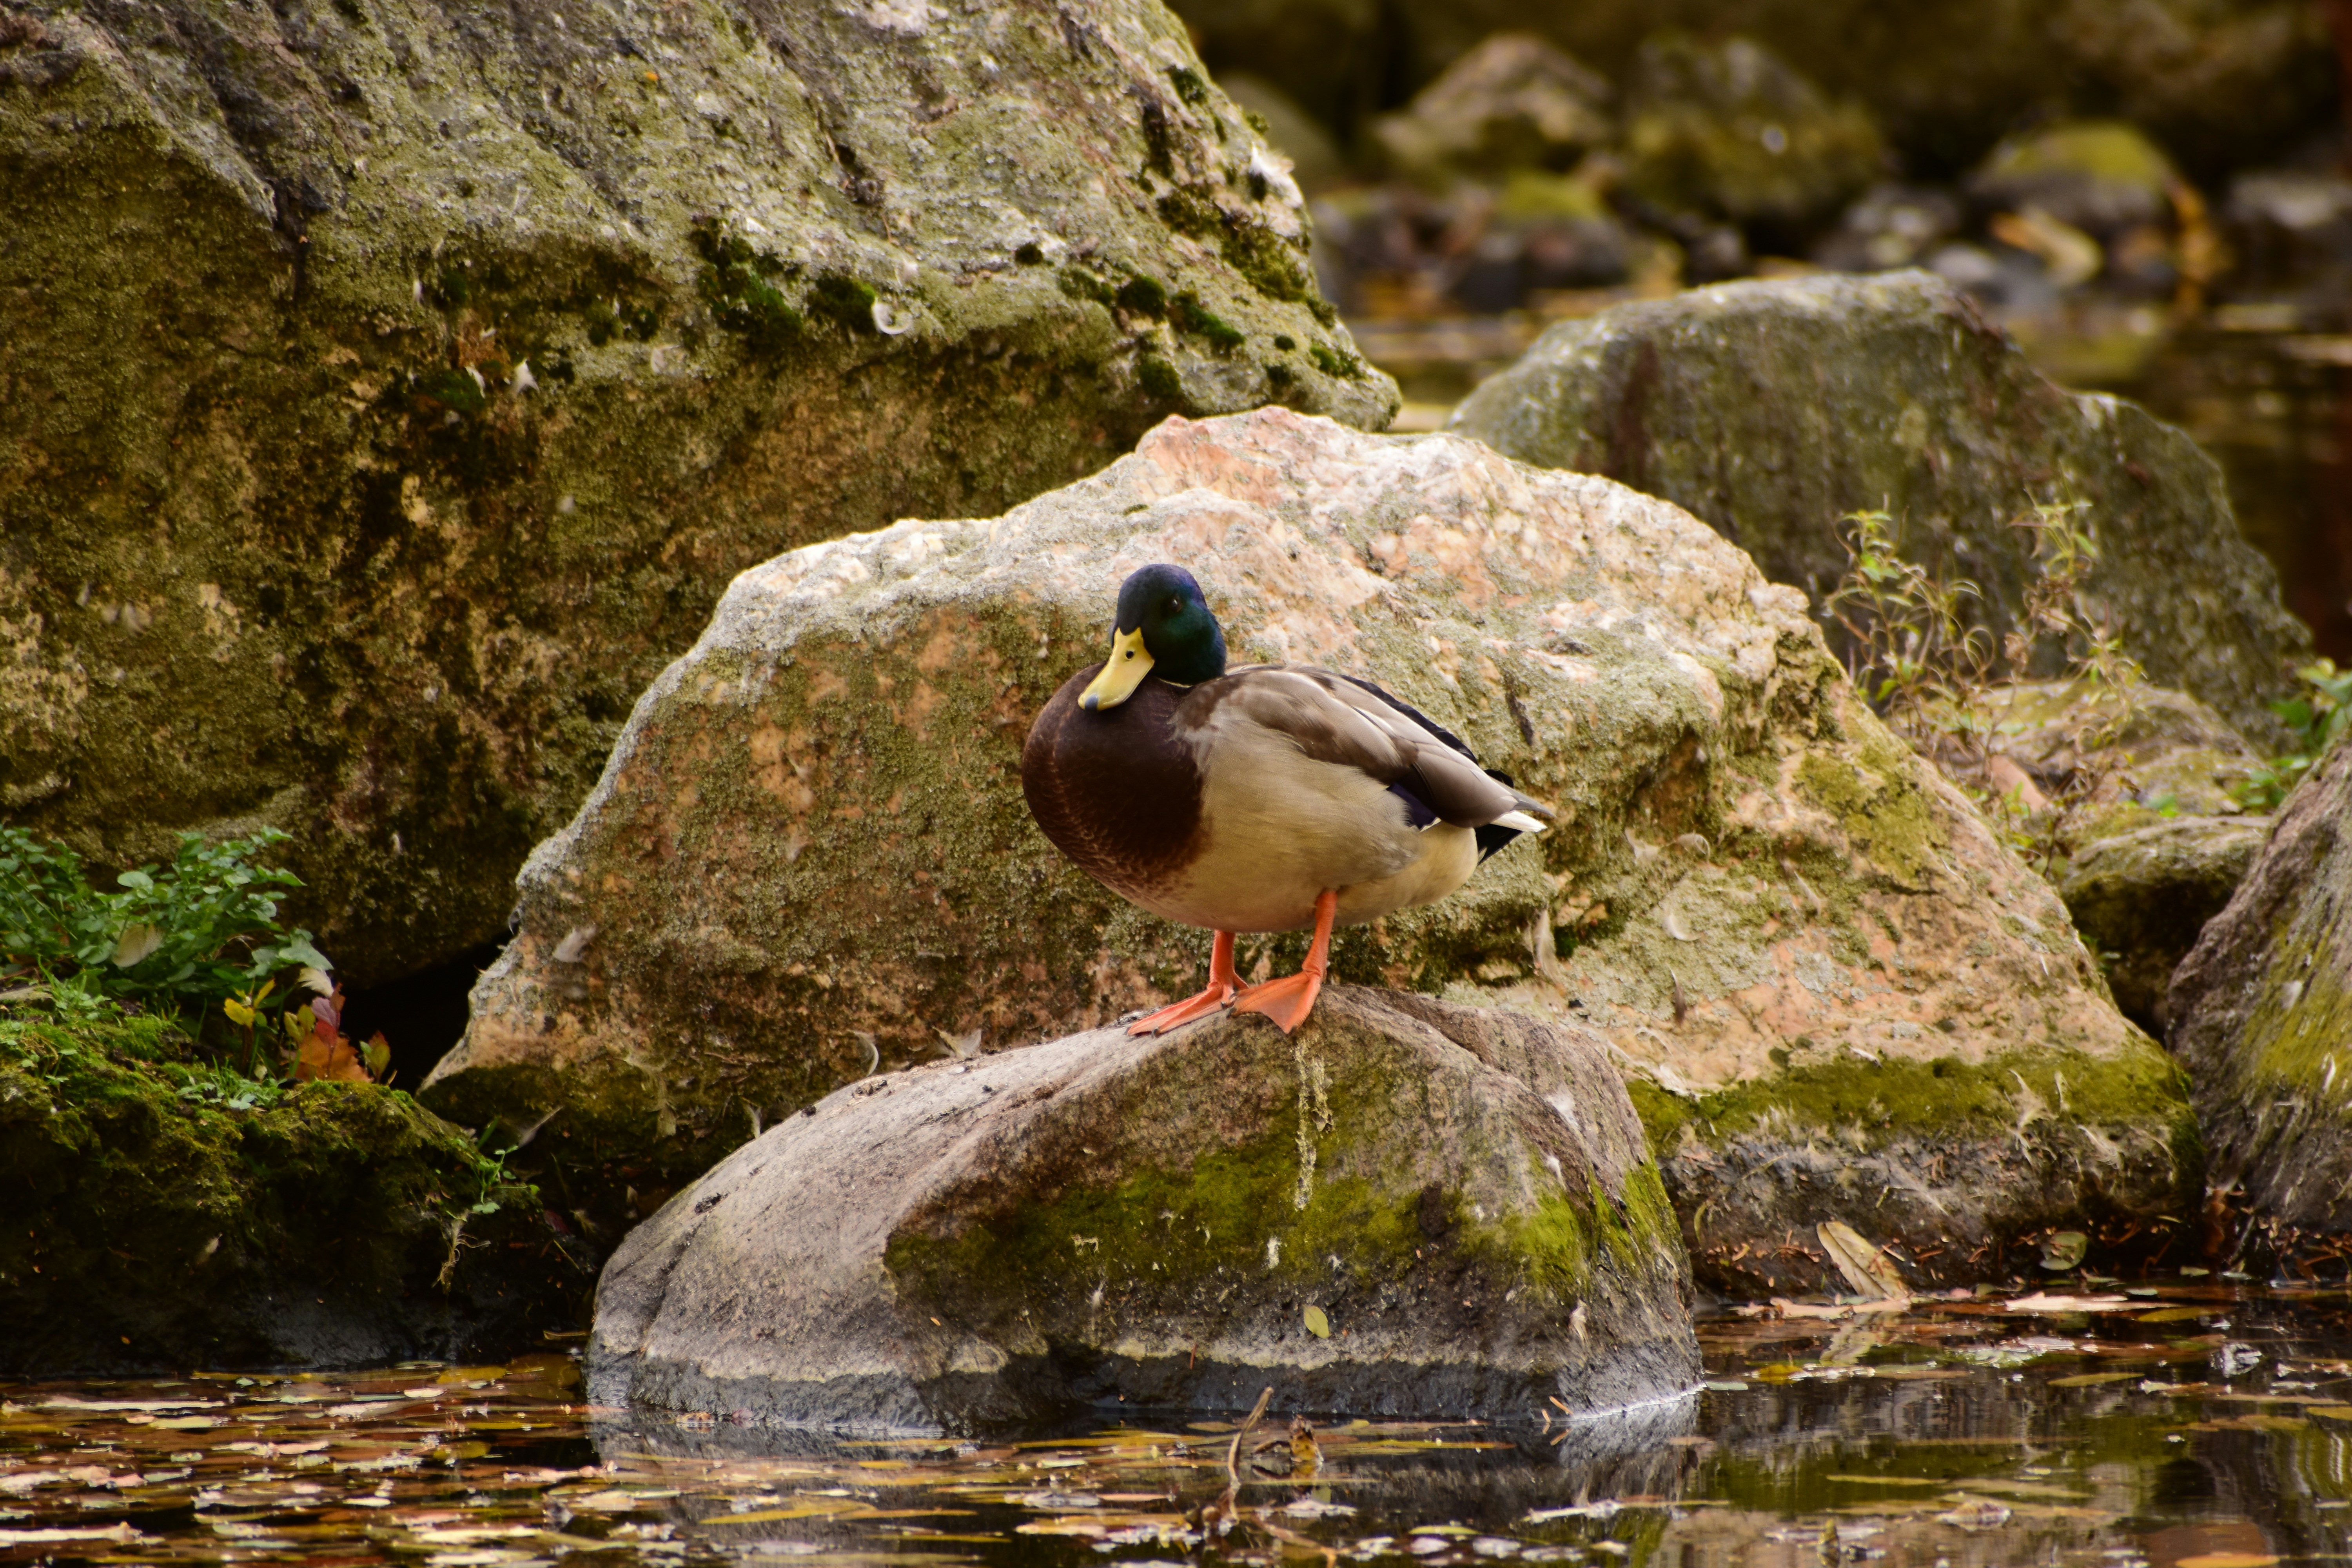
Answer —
313 978
1318 1324
136 943
238 1013
2063 1250
1866 1267
378 1053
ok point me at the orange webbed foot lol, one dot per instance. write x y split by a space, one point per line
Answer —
1289 1000
1176 1015
1223 982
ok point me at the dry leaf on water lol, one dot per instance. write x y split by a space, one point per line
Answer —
1866 1267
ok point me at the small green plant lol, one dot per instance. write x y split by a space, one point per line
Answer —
198 942
1917 655
2317 717
1913 654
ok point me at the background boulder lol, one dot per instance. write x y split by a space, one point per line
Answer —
1771 409
2262 1018
809 853
2141 898
2231 81
388 390
1405 1209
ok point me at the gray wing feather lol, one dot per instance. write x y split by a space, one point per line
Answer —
1332 720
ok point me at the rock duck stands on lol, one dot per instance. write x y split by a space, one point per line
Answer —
1403 1208
1841 996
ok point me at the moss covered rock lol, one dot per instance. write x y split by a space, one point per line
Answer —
1771 409
2141 898
387 391
1728 128
2104 176
2262 1018
1405 1209
810 853
1513 103
2228 81
166 1215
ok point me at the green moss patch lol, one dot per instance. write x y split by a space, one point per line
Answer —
171 1213
1879 1101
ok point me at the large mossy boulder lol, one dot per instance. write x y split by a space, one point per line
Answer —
809 856
164 1216
1405 1209
2262 1018
388 390
1773 409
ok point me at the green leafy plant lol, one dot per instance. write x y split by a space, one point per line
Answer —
1917 656
1914 656
196 940
2316 717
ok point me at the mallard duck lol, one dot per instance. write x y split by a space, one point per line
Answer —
1261 798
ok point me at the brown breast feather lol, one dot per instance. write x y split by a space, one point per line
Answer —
1114 791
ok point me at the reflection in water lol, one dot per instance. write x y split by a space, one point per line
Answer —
2178 1424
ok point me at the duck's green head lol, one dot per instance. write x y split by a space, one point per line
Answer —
1164 627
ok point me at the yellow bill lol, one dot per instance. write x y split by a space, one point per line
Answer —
1121 674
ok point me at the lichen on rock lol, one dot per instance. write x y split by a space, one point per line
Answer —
387 391
809 857
1405 1209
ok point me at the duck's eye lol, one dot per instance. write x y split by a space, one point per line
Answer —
1174 606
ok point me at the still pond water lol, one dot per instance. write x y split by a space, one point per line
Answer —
2187 1422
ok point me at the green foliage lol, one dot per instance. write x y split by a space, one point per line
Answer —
1143 297
1160 379
736 281
178 940
1917 655
848 300
2318 717
1912 646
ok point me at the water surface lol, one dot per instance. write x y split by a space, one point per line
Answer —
2191 1422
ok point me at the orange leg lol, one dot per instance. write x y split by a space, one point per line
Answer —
1289 1000
1222 981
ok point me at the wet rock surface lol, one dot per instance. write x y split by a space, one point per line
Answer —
164 1226
1769 409
810 858
388 391
2261 1015
1406 1208
2141 898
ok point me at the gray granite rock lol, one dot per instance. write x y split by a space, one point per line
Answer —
389 388
1771 409
1407 1208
